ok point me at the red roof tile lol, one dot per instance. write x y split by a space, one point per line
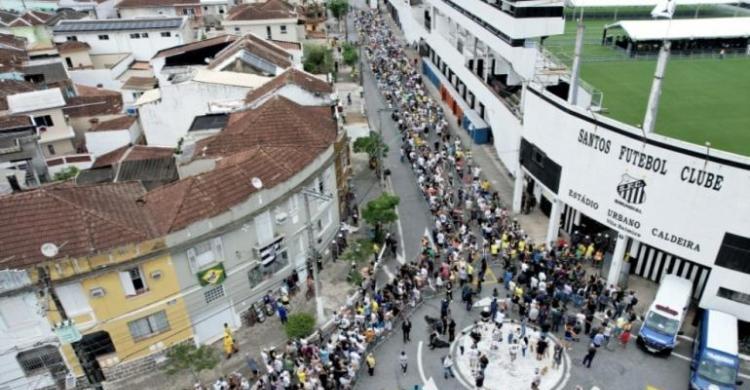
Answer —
72 46
14 122
133 153
258 46
155 3
293 76
271 9
93 102
81 220
278 122
12 87
120 123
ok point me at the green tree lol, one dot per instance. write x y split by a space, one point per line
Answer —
339 9
188 357
374 146
350 55
358 251
318 59
67 173
299 325
380 211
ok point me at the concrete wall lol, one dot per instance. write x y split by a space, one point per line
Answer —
22 327
79 59
121 42
101 142
259 28
167 120
146 12
238 230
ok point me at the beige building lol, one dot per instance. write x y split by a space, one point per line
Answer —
45 107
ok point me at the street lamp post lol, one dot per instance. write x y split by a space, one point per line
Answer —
312 253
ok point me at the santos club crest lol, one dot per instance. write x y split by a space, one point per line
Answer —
632 190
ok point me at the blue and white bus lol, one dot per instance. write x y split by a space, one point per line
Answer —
715 360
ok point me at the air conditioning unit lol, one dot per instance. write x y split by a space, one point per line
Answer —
156 275
281 217
97 292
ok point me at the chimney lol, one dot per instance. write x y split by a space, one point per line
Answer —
14 185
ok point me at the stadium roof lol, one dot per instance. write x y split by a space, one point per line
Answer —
654 30
641 3
68 26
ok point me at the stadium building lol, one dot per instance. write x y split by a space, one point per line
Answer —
672 190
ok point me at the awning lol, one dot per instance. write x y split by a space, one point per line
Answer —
664 29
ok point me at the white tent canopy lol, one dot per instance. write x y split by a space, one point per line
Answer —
711 28
641 3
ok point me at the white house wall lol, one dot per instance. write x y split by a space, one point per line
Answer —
168 119
147 12
237 229
120 42
101 142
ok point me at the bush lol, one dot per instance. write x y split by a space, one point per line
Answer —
350 55
188 357
358 251
67 173
300 325
318 59
355 278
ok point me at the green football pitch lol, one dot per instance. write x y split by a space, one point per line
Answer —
704 99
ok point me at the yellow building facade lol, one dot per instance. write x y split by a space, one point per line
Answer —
126 304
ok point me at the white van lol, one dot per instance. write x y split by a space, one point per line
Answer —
662 322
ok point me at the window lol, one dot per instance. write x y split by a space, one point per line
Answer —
264 228
293 203
16 312
734 252
51 149
135 35
144 35
103 37
236 29
44 121
221 10
149 326
732 295
133 282
73 299
283 29
69 62
71 38
322 185
205 254
166 34
214 293
40 360
262 273
268 32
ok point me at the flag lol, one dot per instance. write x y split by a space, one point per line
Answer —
664 9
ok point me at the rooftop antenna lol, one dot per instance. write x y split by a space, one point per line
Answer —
50 250
257 183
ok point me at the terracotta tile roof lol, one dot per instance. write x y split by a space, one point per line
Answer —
302 79
286 45
155 3
72 46
86 219
278 122
11 41
11 58
176 206
92 102
271 9
14 122
120 123
7 17
176 50
12 87
133 153
258 46
31 18
140 83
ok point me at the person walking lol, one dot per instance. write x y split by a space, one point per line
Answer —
589 356
229 345
370 361
451 330
406 329
282 314
448 367
404 361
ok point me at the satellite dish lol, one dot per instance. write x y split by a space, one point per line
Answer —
257 183
49 249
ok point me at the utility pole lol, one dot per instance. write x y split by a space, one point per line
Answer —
652 110
312 253
575 72
86 361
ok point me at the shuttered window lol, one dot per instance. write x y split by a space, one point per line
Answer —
149 326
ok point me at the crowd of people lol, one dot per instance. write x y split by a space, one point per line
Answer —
546 286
